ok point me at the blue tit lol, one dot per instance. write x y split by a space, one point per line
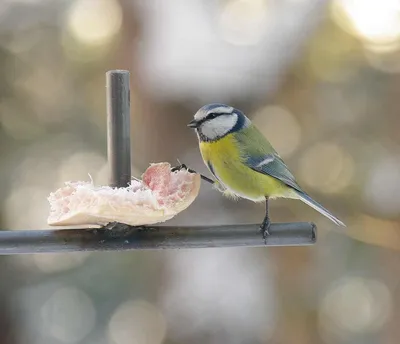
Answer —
243 162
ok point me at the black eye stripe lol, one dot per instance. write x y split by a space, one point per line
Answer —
208 117
211 116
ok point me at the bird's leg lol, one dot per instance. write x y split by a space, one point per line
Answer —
266 224
184 167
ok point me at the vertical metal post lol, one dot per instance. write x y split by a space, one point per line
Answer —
118 127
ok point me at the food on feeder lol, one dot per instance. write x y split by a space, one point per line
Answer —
158 197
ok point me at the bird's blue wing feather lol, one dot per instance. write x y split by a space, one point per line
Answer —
272 165
259 155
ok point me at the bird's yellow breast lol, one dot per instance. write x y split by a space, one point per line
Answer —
224 160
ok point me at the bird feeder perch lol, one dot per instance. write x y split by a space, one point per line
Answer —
120 237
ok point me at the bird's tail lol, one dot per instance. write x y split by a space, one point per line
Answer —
318 207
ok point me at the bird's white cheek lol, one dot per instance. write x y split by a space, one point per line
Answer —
218 127
213 132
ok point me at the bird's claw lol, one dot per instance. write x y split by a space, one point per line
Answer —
264 230
179 168
184 167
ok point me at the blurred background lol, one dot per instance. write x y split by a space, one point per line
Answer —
319 78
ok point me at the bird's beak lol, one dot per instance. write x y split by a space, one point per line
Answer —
193 124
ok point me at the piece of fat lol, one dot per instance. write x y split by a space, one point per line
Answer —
158 197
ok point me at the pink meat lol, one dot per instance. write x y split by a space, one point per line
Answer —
158 178
158 197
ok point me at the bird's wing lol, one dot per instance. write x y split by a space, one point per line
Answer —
273 166
258 154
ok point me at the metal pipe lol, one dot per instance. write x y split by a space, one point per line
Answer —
118 127
122 238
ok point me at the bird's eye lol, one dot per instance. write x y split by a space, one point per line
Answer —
212 115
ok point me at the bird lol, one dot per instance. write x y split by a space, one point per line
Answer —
244 163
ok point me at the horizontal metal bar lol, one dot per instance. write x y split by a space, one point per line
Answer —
121 238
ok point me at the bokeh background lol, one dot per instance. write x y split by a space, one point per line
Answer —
320 79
